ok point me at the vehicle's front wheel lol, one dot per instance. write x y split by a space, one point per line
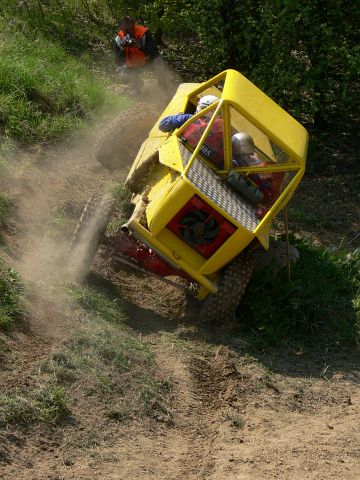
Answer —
88 233
220 307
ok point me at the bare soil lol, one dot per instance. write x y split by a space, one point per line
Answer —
234 412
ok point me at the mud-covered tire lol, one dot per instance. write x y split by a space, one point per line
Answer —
88 233
119 141
220 307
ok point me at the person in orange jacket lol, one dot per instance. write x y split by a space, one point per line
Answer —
134 47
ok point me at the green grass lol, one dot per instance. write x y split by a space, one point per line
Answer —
123 206
104 360
320 303
89 30
47 404
98 305
10 303
5 209
301 217
44 92
109 358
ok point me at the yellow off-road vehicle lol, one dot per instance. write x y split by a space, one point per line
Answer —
203 207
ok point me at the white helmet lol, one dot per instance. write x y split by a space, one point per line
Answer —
242 144
205 101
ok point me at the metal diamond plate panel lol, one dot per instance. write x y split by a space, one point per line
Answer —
211 185
185 153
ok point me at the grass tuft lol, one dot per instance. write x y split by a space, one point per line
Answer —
322 301
235 418
5 208
10 303
52 404
46 405
123 206
45 92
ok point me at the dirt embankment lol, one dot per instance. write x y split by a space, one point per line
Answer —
230 417
231 414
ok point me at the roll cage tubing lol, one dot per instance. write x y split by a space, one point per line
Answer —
298 168
285 168
218 105
300 163
274 167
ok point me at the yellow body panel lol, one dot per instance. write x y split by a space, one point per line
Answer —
181 251
229 250
244 108
266 114
147 150
164 206
169 154
161 183
208 285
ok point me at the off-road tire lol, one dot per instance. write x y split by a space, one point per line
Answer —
220 307
276 257
119 142
88 233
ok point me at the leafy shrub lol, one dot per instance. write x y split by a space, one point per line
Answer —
304 54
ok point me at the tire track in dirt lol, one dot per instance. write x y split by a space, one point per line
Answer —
196 410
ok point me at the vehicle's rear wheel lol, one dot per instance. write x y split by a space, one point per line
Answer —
220 307
118 143
88 233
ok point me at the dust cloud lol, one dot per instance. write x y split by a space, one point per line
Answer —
50 189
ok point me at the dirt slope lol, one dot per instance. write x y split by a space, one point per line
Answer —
232 414
231 418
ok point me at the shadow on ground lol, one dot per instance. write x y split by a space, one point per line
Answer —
307 327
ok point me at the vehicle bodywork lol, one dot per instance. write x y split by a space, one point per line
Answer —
172 180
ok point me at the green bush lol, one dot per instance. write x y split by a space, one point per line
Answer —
304 54
307 55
